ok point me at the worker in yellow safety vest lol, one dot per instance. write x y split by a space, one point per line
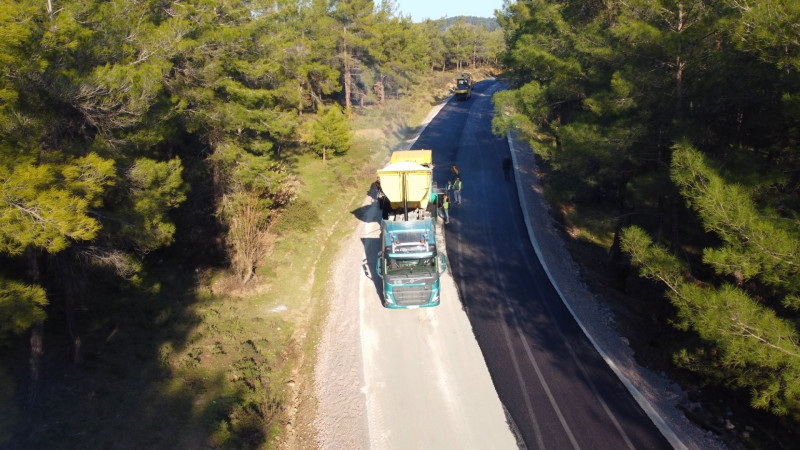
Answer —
457 191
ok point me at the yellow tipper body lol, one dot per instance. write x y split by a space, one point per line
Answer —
408 177
421 157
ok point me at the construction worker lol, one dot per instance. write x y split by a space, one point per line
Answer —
446 208
378 191
457 190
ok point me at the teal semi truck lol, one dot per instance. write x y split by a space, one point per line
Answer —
409 262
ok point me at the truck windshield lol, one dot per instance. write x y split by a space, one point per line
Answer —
408 266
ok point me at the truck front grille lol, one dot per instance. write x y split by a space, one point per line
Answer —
412 295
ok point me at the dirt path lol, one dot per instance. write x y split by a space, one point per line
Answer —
341 416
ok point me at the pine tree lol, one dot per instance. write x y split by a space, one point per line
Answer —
492 48
299 44
93 95
397 55
459 41
745 319
758 246
356 29
433 42
330 134
21 306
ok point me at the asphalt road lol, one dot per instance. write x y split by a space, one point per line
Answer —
555 386
424 381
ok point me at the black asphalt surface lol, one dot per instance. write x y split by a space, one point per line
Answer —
556 388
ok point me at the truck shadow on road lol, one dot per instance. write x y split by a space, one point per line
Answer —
368 264
364 213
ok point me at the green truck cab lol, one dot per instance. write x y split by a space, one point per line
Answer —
409 264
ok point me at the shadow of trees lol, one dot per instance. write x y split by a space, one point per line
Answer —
164 364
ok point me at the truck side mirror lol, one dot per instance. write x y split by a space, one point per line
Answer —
442 263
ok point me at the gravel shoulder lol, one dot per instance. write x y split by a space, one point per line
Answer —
341 420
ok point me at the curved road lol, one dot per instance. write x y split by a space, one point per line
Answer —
553 383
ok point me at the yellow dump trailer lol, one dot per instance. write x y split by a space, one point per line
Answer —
407 180
421 157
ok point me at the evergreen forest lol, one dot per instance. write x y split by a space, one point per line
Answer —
150 149
668 136
157 158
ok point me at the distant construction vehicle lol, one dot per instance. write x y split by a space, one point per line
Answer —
463 88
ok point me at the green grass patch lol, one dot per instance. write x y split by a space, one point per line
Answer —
301 216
